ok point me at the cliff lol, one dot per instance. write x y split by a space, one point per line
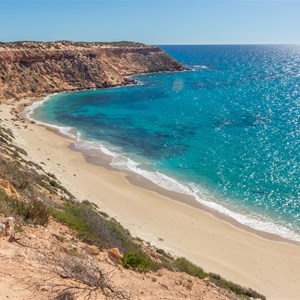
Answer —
34 68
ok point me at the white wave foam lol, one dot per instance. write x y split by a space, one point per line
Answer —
158 178
30 109
198 67
257 223
124 163
68 131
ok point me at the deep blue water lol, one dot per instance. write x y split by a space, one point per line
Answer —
227 130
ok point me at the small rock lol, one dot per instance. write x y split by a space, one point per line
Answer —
93 250
115 255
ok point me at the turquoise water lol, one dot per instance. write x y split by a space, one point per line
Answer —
226 131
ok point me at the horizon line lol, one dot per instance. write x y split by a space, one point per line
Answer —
156 44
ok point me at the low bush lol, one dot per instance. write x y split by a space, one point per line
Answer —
19 150
94 228
183 265
4 203
35 165
7 133
53 183
138 261
235 288
35 211
166 262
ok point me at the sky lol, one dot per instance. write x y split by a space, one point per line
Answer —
155 22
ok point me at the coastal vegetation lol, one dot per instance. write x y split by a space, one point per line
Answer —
58 44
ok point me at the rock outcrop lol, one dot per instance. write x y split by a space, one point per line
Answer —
35 68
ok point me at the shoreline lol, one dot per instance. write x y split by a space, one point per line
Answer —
145 183
97 156
221 247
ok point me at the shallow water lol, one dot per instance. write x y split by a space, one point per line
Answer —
227 131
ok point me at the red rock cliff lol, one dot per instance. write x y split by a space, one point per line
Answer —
34 68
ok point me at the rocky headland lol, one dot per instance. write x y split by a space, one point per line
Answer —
35 68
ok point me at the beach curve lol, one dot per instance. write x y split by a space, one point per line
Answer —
270 266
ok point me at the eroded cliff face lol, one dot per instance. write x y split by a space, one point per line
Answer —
33 68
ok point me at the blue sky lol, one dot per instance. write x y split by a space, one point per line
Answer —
152 21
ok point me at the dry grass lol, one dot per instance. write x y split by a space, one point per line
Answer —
82 276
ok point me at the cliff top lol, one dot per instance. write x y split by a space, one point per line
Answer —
29 68
63 45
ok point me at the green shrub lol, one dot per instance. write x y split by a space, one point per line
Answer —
19 150
183 265
164 254
165 262
70 215
138 261
94 228
235 288
53 183
4 203
35 211
7 133
35 165
21 177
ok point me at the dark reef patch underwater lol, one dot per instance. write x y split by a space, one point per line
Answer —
226 131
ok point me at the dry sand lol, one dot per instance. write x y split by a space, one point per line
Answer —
271 267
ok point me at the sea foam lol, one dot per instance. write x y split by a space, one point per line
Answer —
124 163
67 131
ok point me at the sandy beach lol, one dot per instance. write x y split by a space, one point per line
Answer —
270 266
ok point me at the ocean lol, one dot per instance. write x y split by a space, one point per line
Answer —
226 131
